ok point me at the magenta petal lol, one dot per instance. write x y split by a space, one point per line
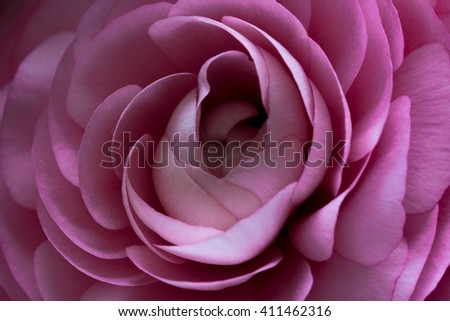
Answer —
28 96
371 220
160 291
315 168
425 78
442 291
97 74
439 259
420 230
197 276
245 239
99 185
65 134
20 235
344 39
65 204
342 279
114 271
393 28
301 9
144 114
12 290
370 94
290 280
314 235
56 278
420 24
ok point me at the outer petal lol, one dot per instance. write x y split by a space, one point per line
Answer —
163 292
439 259
342 279
56 278
420 231
197 276
425 78
28 96
370 224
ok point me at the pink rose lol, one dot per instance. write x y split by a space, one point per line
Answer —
119 176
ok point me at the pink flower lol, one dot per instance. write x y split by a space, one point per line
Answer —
119 176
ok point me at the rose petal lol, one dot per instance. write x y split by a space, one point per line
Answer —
420 230
115 271
65 134
56 278
301 9
20 236
425 78
293 273
197 276
371 220
27 97
98 73
314 235
420 25
144 115
245 239
393 28
370 94
439 259
138 181
162 292
342 279
442 291
65 204
11 289
99 185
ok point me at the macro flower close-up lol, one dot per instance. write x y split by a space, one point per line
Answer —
225 150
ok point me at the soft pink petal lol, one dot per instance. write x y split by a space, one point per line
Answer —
27 97
163 292
244 240
439 259
99 185
119 55
370 224
197 276
393 28
343 279
316 162
65 204
56 278
183 199
145 114
420 25
344 39
425 78
290 280
370 94
141 194
420 230
313 234
115 271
